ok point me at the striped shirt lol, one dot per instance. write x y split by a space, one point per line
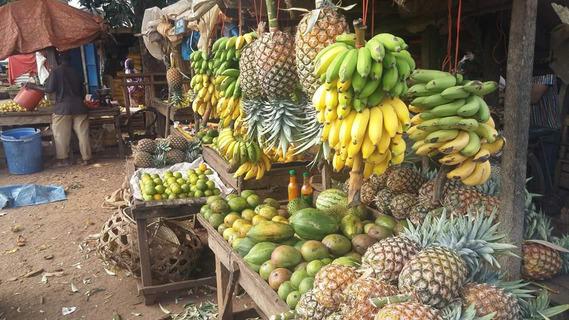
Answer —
546 113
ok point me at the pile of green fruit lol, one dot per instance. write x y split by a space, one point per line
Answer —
207 135
287 246
173 185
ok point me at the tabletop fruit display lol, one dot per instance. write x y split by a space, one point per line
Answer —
207 135
453 123
11 106
175 185
159 153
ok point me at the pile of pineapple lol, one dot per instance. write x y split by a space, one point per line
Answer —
159 153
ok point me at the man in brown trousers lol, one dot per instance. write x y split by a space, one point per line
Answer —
70 112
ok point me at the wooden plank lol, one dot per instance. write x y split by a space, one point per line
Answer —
517 110
177 286
222 277
145 264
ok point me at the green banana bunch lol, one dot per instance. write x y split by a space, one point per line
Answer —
453 123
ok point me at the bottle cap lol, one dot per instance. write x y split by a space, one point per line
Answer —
292 172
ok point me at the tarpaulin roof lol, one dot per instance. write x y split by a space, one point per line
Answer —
31 25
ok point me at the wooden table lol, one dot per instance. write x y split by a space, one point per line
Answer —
170 114
231 270
43 116
171 209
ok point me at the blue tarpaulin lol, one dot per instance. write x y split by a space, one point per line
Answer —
29 195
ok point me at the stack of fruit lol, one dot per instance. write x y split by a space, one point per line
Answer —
453 123
358 100
203 88
244 155
207 135
11 106
173 185
159 153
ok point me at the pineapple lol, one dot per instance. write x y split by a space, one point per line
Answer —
335 316
418 213
313 37
379 182
540 262
405 180
143 159
177 142
174 77
453 249
386 258
367 192
488 298
401 205
330 282
383 200
408 311
461 199
175 156
309 309
250 87
146 145
357 304
274 60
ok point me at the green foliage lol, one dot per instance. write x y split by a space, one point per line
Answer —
123 13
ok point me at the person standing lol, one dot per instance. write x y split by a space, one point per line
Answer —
70 113
135 92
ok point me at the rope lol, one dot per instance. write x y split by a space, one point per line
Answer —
457 43
278 8
372 18
365 7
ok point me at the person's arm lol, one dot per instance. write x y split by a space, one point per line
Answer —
51 83
537 91
34 86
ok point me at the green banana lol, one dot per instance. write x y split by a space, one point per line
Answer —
347 38
328 48
369 88
459 78
433 101
204 55
473 86
359 104
389 61
429 125
402 42
348 66
237 90
483 113
406 55
405 88
230 89
358 83
243 154
389 78
376 70
237 153
487 132
442 135
231 73
456 92
417 135
425 75
419 90
397 90
473 145
418 101
230 43
334 68
230 54
376 50
403 68
363 66
467 124
440 84
483 88
449 109
470 108
376 97
226 82
250 151
390 42
427 115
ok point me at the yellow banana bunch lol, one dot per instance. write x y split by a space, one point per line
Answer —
453 123
250 170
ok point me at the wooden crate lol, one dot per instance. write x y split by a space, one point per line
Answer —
231 270
273 184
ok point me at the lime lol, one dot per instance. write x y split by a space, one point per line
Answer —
202 167
168 173
154 176
172 196
216 191
167 191
180 181
159 188
193 189
149 189
202 176
157 197
201 185
185 187
193 178
198 171
157 181
171 180
198 194
177 175
208 193
175 189
145 176
210 185
208 172
190 172
147 197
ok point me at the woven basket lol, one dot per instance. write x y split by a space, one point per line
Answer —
174 247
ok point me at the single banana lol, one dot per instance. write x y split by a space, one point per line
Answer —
398 145
369 88
376 49
456 92
331 99
367 147
463 170
363 65
416 119
425 76
334 69
334 134
473 145
346 127
487 132
384 142
368 170
390 42
375 127
376 70
398 159
456 144
442 135
482 155
389 78
401 110
470 108
419 90
449 109
428 148
417 134
480 174
494 147
452 159
319 98
348 66
324 62
358 83
344 86
390 120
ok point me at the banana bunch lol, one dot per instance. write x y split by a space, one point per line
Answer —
453 123
205 95
374 135
226 53
11 106
356 78
245 155
276 155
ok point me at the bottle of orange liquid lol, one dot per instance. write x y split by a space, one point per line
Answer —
306 192
292 186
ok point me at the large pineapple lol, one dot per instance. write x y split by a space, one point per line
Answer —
408 311
453 249
418 213
383 201
146 145
308 308
405 180
143 159
488 298
464 198
313 37
274 59
367 192
385 259
175 156
174 78
401 205
177 142
250 87
330 283
357 305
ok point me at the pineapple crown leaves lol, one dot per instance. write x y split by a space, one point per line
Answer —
564 242
312 130
315 14
253 118
427 233
537 225
539 308
517 288
456 311
282 124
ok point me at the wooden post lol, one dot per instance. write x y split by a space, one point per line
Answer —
517 109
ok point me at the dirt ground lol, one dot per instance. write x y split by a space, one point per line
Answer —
55 238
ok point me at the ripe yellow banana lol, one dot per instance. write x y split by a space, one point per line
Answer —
375 127
398 145
463 170
319 98
452 159
398 159
345 129
390 120
384 142
331 99
337 162
480 174
415 109
380 168
456 144
376 157
330 115
401 110
349 162
343 111
326 130
320 116
354 149
368 170
367 147
359 127
427 148
324 61
245 167
495 147
260 171
252 173
416 120
491 122
334 134
344 86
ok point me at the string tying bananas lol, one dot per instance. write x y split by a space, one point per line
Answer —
453 123
245 155
358 104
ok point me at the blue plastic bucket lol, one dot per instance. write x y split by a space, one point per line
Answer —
23 150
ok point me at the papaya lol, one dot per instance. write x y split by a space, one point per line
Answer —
243 245
337 244
313 224
260 252
285 257
351 226
270 231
